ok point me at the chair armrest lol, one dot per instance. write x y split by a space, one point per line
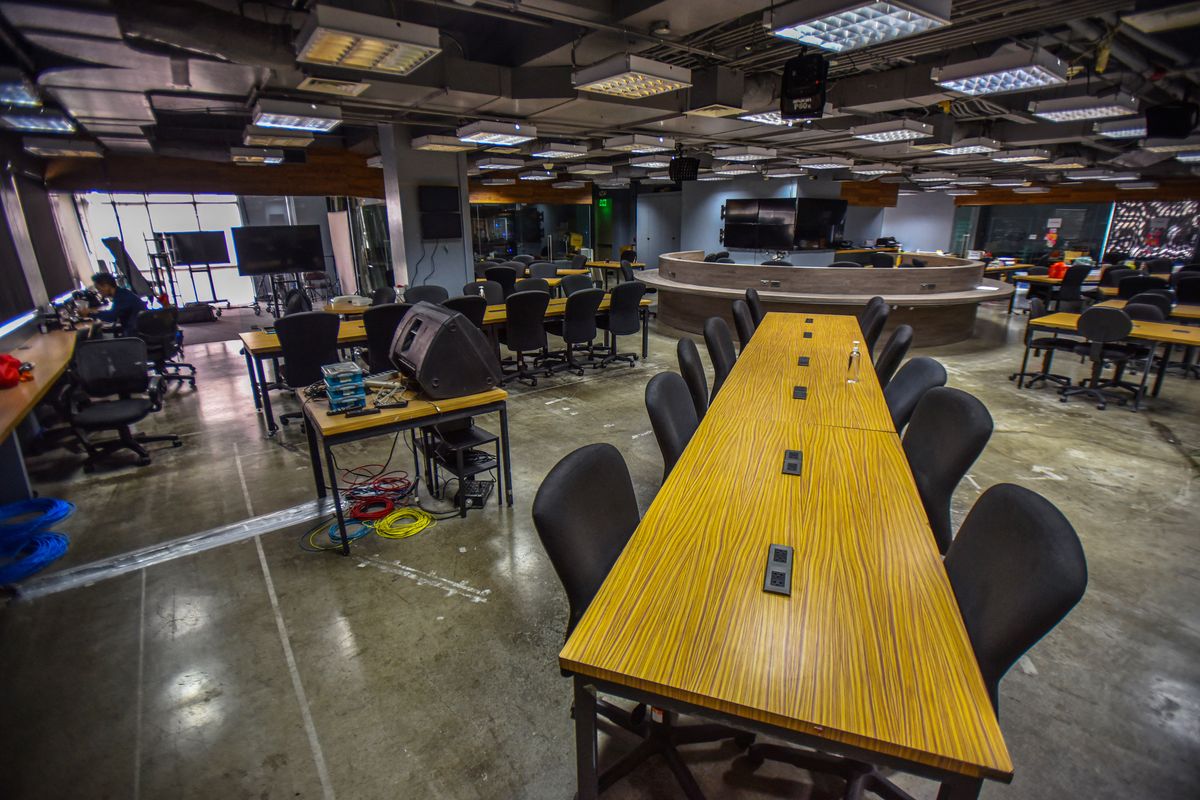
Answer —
156 389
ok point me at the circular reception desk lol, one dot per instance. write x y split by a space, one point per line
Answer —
938 300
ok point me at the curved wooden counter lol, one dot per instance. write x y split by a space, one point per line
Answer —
938 300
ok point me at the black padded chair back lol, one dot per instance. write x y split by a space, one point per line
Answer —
756 307
1144 312
579 317
1159 266
743 322
1016 568
578 261
585 511
627 272
488 290
1099 324
1187 288
533 285
894 351
571 284
722 254
543 269
481 267
1159 300
471 306
710 257
525 326
105 367
524 259
296 302
947 433
157 327
1131 285
911 382
672 416
870 308
1071 288
719 342
876 318
505 276
429 293
692 370
882 260
914 263
725 260
776 262
381 323
309 342
629 254
624 308
383 295
1113 275
846 264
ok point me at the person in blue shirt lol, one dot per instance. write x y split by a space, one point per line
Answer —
124 305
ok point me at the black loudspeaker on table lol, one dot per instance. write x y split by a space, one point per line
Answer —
444 353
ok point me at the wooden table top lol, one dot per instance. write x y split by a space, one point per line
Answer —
869 650
1093 277
50 354
339 424
260 343
613 264
1165 332
1001 268
1180 311
347 309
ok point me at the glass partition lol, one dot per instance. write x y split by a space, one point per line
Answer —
542 230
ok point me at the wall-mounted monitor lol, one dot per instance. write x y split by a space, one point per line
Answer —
818 223
762 224
198 247
270 249
443 199
441 226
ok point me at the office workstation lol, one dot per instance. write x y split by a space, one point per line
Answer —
652 400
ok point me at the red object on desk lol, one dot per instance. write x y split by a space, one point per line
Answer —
10 372
1058 270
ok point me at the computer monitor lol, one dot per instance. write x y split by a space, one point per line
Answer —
270 249
198 247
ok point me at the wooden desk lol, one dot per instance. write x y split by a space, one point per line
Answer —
608 267
867 658
1046 280
1180 311
345 309
325 431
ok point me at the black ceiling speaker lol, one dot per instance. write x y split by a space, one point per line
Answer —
1172 120
802 93
683 168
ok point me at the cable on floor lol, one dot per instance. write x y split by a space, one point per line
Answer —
26 546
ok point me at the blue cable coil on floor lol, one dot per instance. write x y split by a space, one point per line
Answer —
27 546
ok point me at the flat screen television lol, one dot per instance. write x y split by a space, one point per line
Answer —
269 249
818 222
438 199
198 247
741 212
441 226
766 224
741 236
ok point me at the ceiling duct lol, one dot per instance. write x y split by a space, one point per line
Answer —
716 92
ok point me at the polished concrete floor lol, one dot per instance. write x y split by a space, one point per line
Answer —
426 667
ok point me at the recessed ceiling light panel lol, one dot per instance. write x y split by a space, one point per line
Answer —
961 192
296 116
745 153
538 175
664 175
590 169
496 133
785 172
568 184
1138 185
559 150
875 169
769 118
639 143
632 77
1013 71
37 121
1122 128
337 37
47 147
712 176
254 136
1025 156
841 25
651 162
17 90
255 155
734 168
1032 189
1084 107
442 144
1088 175
900 130
1188 157
499 163
825 162
971 146
1171 145
933 177
498 181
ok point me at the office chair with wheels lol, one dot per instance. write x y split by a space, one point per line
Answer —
543 269
1104 330
159 329
725 260
1187 288
296 302
692 370
1159 300
524 259
471 306
627 272
106 367
1017 569
482 266
672 416
578 261
1159 266
571 284
757 312
1109 276
743 322
894 351
1071 288
722 254
383 296
1048 342
628 254
429 293
505 276
524 332
488 290
623 318
882 260
1131 285
710 258
308 341
948 431
870 308
533 285
1144 312
381 323
719 342
776 262
577 327
905 390
875 317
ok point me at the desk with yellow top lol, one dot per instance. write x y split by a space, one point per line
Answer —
868 657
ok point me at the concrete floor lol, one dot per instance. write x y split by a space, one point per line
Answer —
427 667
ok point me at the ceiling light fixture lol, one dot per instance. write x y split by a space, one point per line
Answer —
712 176
629 76
337 37
255 155
1026 156
1088 175
1138 185
1032 189
899 130
1018 70
825 162
613 183
650 162
1192 157
970 146
839 25
441 144
296 116
639 143
933 177
665 175
499 163
768 118
1070 162
1074 109
538 175
590 169
498 181
61 148
961 192
875 169
734 169
714 110
1121 177
17 90
559 150
254 136
1171 145
785 172
1009 183
972 180
1121 128
501 133
745 153
568 184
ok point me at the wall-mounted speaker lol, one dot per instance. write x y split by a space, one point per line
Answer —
1172 120
683 168
802 92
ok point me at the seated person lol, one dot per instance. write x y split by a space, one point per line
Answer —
124 305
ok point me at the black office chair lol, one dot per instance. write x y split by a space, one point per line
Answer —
383 296
159 329
882 260
488 290
628 254
1071 288
1187 288
869 309
672 416
308 341
894 351
505 276
623 318
776 262
1016 568
692 370
722 254
1145 312
481 267
1048 342
914 263
524 259
846 264
1159 266
1104 330
709 258
757 312
524 332
577 328
542 269
725 260
1159 300
744 322
571 284
948 431
719 342
578 261
471 306
1131 285
381 323
627 272
533 285
429 293
296 302
103 368
875 318
911 382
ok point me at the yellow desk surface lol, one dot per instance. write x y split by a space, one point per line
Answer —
869 650
998 269
1165 332
261 343
50 354
1093 277
498 315
613 264
339 424
1181 311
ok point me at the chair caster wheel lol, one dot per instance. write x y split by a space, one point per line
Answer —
744 740
143 461
176 443
284 422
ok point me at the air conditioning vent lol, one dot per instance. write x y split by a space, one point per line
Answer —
327 86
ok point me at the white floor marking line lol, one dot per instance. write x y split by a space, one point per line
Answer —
141 671
555 400
237 461
1046 473
640 435
427 579
309 728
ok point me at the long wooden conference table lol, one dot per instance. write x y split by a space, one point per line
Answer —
868 657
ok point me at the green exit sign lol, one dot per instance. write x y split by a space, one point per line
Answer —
605 202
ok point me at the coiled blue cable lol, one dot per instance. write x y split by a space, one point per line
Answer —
41 549
27 546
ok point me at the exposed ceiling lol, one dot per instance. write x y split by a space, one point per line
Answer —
181 77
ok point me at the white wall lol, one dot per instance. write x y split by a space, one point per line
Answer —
921 221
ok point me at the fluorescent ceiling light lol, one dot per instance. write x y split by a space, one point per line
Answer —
970 146
569 185
1121 177
825 162
900 130
714 110
712 176
769 118
1088 175
442 144
1192 157
1071 162
1013 71
590 169
337 37
1171 145
559 150
502 149
1138 185
907 192
875 169
665 175
1073 109
839 25
785 172
254 136
296 116
961 192
650 162
734 169
538 175
499 163
630 76
332 86
745 153
933 177
1026 156
1008 183
64 148
17 90
498 181
38 122
613 183
1032 189
1122 128
502 133
255 155
639 143
972 180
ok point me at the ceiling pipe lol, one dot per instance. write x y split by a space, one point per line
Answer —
1125 54
1151 43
